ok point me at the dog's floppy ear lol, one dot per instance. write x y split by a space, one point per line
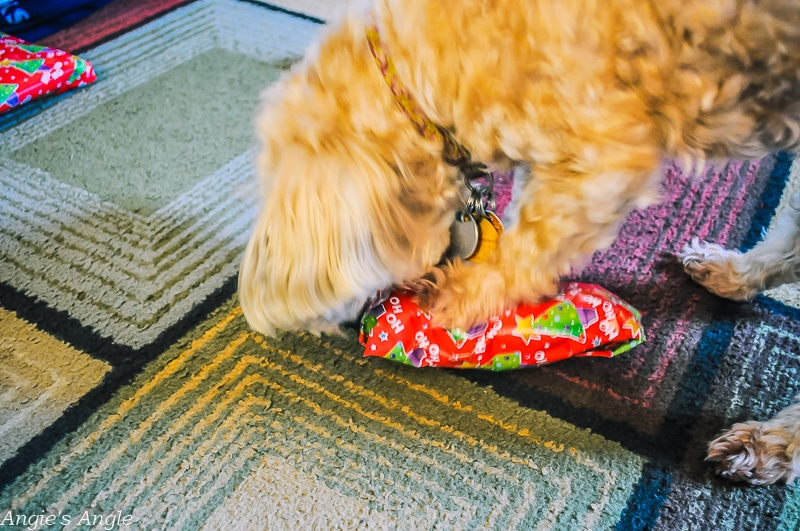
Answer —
311 260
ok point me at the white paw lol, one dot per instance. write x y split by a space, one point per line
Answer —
715 268
746 453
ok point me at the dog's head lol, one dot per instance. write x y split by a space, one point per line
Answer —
346 211
311 261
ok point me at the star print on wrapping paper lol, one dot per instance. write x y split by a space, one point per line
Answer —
632 325
597 341
384 336
524 329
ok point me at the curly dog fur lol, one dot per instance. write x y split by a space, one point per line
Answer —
760 453
590 96
582 98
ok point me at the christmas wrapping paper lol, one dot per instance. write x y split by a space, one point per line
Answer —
28 71
584 320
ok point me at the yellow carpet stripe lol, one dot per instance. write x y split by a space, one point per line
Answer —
433 393
444 399
319 410
152 504
176 364
227 427
386 421
196 433
374 417
127 405
136 435
144 459
221 471
610 476
191 385
171 368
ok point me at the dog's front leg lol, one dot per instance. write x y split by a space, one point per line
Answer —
564 217
740 276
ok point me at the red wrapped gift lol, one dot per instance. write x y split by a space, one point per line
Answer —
584 320
28 71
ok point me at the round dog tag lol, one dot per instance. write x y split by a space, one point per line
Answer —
464 235
489 230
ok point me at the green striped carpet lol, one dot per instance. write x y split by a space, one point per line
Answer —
133 395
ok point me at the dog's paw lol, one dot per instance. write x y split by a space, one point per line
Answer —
460 295
746 453
715 268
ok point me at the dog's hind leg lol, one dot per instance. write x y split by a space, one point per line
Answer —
741 276
760 453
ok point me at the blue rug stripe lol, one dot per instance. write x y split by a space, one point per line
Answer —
777 307
644 505
645 502
684 411
770 199
700 375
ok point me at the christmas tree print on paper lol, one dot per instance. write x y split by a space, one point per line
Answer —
457 335
504 362
368 322
370 319
460 337
398 353
559 320
32 48
8 94
81 66
29 66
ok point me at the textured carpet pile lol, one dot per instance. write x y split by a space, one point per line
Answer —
132 391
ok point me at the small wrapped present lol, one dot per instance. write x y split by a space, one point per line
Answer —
584 320
28 71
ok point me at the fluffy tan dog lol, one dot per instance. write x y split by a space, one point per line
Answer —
585 97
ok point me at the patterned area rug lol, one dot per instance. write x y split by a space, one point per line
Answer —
134 395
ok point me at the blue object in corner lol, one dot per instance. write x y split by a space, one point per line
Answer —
34 19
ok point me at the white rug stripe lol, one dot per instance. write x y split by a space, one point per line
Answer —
101 285
216 188
266 39
217 230
35 189
133 253
321 9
